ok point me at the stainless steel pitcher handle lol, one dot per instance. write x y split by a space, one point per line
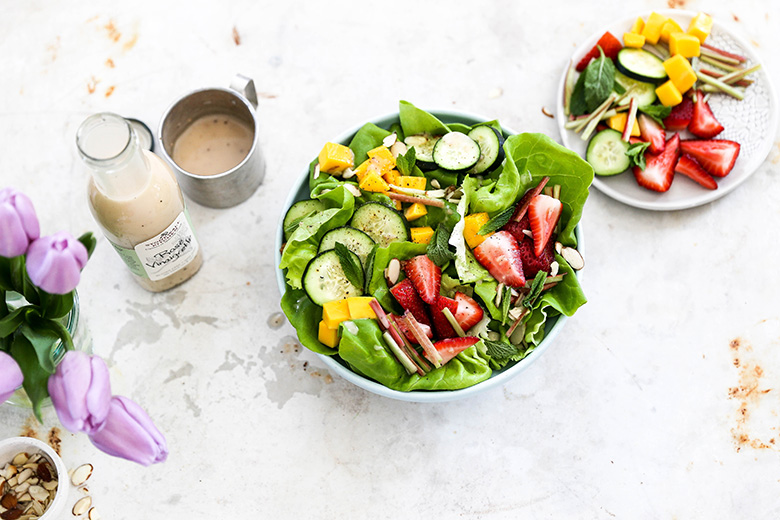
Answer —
246 87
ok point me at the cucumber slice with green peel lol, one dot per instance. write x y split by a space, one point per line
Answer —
353 239
380 222
456 152
641 65
324 279
423 145
299 211
643 92
607 153
491 148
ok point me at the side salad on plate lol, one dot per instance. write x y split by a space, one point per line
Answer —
429 255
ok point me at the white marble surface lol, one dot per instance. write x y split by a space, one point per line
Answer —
628 415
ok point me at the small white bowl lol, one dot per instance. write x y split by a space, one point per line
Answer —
9 448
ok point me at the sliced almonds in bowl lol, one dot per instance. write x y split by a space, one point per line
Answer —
28 486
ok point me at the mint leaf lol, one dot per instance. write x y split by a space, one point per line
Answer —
657 112
536 289
618 88
352 269
506 304
599 80
438 249
636 154
405 163
578 106
370 267
499 350
497 222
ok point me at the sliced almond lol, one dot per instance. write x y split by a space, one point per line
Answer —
10 471
348 173
573 257
50 485
351 327
38 507
390 140
22 488
558 247
393 271
38 493
82 506
435 183
93 514
20 459
398 148
554 268
353 189
81 474
316 170
25 498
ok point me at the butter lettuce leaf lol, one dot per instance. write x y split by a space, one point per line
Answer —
305 316
418 121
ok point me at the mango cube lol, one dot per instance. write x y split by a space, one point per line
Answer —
669 27
328 336
373 182
639 24
618 122
397 205
680 72
631 39
471 224
422 235
335 158
700 27
360 308
335 312
383 156
668 94
415 183
652 29
362 169
686 45
415 211
391 177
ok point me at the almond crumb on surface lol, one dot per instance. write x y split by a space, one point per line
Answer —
236 36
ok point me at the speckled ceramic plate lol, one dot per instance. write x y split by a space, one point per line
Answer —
751 122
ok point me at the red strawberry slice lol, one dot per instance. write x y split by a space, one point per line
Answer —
532 264
544 212
449 348
426 277
703 123
634 140
659 173
411 338
652 132
441 325
716 156
517 228
500 255
469 312
688 166
407 297
680 116
608 43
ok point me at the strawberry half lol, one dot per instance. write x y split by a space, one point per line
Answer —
426 277
688 166
716 156
659 173
411 338
532 264
500 255
680 116
652 132
449 348
608 43
407 297
703 123
543 212
441 325
469 312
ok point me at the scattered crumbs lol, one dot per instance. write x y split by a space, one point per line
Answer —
53 48
305 365
248 284
54 440
110 90
113 33
735 17
110 63
236 36
495 93
326 378
92 84
675 4
129 44
90 20
27 428
755 43
547 113
266 95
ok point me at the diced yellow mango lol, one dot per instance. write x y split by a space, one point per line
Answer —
639 24
422 235
391 177
700 26
668 94
680 72
397 205
471 224
359 307
362 169
631 39
415 183
618 122
652 29
669 27
334 313
373 182
328 336
686 45
384 157
415 211
335 158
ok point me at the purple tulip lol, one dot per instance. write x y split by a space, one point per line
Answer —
54 262
81 392
11 376
130 434
18 223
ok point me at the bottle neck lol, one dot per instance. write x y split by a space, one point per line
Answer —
109 148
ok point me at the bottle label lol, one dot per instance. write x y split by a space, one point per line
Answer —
164 254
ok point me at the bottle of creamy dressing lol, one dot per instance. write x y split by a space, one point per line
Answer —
134 197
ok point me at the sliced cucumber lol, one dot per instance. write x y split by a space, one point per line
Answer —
456 152
380 222
325 281
353 239
491 148
607 153
299 211
423 145
643 92
641 65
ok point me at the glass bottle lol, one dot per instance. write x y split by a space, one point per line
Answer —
136 200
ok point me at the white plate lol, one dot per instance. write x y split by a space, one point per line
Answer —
751 122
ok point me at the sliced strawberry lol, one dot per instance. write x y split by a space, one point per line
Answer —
426 277
544 212
517 228
469 312
659 173
635 140
608 43
408 333
521 208
449 348
407 297
716 156
703 123
441 325
500 255
652 132
680 116
532 264
688 166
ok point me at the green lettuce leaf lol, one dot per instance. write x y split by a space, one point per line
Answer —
417 121
305 316
496 195
377 286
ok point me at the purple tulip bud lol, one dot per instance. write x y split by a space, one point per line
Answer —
130 434
81 392
18 223
54 262
11 376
